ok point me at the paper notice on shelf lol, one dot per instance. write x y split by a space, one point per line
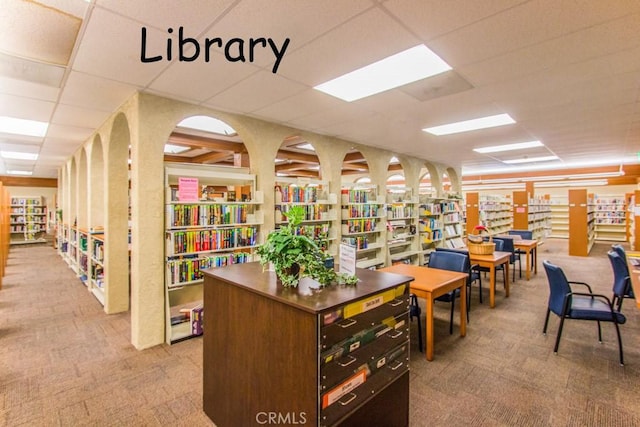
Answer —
188 189
347 259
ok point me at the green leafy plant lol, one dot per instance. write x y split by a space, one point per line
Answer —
295 255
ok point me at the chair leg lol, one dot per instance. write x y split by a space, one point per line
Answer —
468 300
546 322
619 344
520 266
480 286
555 349
599 333
453 303
420 334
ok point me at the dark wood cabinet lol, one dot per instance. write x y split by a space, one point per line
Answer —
305 356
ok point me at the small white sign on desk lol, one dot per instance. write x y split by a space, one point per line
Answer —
347 259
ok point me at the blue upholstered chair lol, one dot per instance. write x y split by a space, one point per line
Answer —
527 235
416 311
621 252
474 274
499 248
567 304
621 279
453 261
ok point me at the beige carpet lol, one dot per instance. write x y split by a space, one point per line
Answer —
63 362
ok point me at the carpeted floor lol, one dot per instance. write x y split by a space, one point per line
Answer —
64 362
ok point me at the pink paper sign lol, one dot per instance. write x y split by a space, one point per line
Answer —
188 189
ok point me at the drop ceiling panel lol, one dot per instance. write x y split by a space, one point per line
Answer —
329 117
70 133
200 81
171 13
14 146
305 103
87 91
257 91
73 7
27 89
284 19
25 108
72 116
111 48
367 38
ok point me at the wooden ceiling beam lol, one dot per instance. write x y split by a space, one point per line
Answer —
21 181
298 157
207 143
213 157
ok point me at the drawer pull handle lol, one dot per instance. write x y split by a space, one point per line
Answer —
396 302
346 402
396 365
347 363
347 323
395 334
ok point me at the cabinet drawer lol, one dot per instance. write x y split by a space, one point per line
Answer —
337 332
367 356
336 404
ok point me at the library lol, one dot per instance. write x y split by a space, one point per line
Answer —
373 229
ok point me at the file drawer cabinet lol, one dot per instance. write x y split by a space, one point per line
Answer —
305 356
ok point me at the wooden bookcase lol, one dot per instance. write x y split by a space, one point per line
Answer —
212 219
581 222
472 203
532 213
28 220
322 357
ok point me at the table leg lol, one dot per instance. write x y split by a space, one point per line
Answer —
463 308
429 327
492 286
534 256
527 255
506 279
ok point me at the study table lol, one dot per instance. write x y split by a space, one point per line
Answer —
633 258
430 283
492 261
530 248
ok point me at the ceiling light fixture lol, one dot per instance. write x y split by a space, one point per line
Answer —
531 160
175 149
405 67
18 172
23 127
207 124
508 147
306 146
469 125
16 155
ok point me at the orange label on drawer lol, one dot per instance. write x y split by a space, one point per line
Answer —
346 387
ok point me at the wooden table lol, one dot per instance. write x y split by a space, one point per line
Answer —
491 262
430 283
530 247
634 273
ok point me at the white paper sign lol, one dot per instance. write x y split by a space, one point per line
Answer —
347 259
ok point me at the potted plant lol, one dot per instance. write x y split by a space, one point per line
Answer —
295 255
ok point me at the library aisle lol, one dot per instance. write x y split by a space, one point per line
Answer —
63 361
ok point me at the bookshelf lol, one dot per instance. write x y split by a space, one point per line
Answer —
495 213
581 222
611 218
27 220
83 256
634 219
559 206
72 250
320 209
430 226
452 222
532 213
402 227
96 281
363 212
212 219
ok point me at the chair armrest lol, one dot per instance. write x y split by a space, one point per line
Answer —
581 283
592 295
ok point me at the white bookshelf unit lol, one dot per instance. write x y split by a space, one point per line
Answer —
27 220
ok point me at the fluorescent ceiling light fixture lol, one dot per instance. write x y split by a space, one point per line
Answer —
473 124
363 180
16 155
23 127
408 66
16 172
531 159
306 146
394 159
508 147
207 124
175 149
591 183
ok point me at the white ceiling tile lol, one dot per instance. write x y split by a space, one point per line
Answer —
27 89
70 133
77 116
74 7
25 108
302 104
87 91
112 47
257 91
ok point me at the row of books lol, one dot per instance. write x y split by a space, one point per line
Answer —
318 231
311 213
451 217
296 194
24 201
430 209
453 230
399 211
202 215
359 226
98 250
359 242
358 195
360 211
189 269
193 315
28 210
428 224
181 242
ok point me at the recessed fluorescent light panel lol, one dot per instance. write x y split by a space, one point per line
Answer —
508 147
175 149
306 146
469 125
23 127
531 159
207 124
408 66
16 155
25 173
